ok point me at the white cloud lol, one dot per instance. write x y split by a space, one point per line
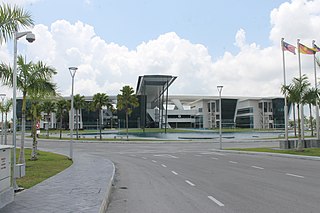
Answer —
106 67
19 2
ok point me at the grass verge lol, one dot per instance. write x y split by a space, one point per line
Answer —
47 165
306 152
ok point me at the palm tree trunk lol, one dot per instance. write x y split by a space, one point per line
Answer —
311 119
23 130
60 126
34 142
127 125
48 114
299 145
294 119
100 123
77 124
5 130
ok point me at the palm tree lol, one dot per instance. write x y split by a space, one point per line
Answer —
6 107
100 100
296 91
36 107
78 102
48 106
311 97
31 78
63 106
127 101
12 18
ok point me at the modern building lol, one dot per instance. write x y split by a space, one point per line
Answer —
158 109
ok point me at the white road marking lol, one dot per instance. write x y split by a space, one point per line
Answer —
232 162
175 173
144 158
214 158
166 155
217 153
257 167
293 175
163 165
190 183
154 161
216 201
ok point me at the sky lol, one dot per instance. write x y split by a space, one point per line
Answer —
205 43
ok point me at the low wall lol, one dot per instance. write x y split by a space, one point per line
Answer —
308 143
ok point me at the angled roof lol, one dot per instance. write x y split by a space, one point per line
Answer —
153 85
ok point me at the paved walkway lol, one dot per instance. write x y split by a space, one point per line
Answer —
83 187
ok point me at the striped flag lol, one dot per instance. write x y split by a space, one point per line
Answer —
316 48
306 50
288 47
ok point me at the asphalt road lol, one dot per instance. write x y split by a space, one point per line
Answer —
192 177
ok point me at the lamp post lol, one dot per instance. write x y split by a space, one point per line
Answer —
2 100
220 116
30 38
72 71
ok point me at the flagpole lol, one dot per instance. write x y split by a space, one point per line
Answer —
285 96
301 107
316 87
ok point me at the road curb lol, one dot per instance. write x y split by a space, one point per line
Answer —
105 201
314 158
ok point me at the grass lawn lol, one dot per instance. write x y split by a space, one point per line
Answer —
307 151
47 165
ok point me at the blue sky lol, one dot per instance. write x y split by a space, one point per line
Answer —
126 22
204 43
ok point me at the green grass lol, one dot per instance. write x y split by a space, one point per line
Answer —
47 165
306 152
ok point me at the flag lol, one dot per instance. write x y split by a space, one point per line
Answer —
316 48
305 50
288 47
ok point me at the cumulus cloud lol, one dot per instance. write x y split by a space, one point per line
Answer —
106 67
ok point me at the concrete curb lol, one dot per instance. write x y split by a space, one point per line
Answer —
270 154
105 202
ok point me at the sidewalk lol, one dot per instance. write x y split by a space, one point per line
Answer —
83 187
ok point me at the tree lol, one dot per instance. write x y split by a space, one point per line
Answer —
78 103
311 97
35 116
295 93
31 78
12 18
127 101
48 106
100 100
5 108
63 106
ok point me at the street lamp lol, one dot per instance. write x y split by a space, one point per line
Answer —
2 100
220 116
30 38
72 71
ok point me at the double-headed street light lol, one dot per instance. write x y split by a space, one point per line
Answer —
72 71
30 38
220 115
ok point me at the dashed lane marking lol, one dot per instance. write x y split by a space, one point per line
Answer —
293 175
234 162
216 201
154 161
190 183
175 173
163 165
257 167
